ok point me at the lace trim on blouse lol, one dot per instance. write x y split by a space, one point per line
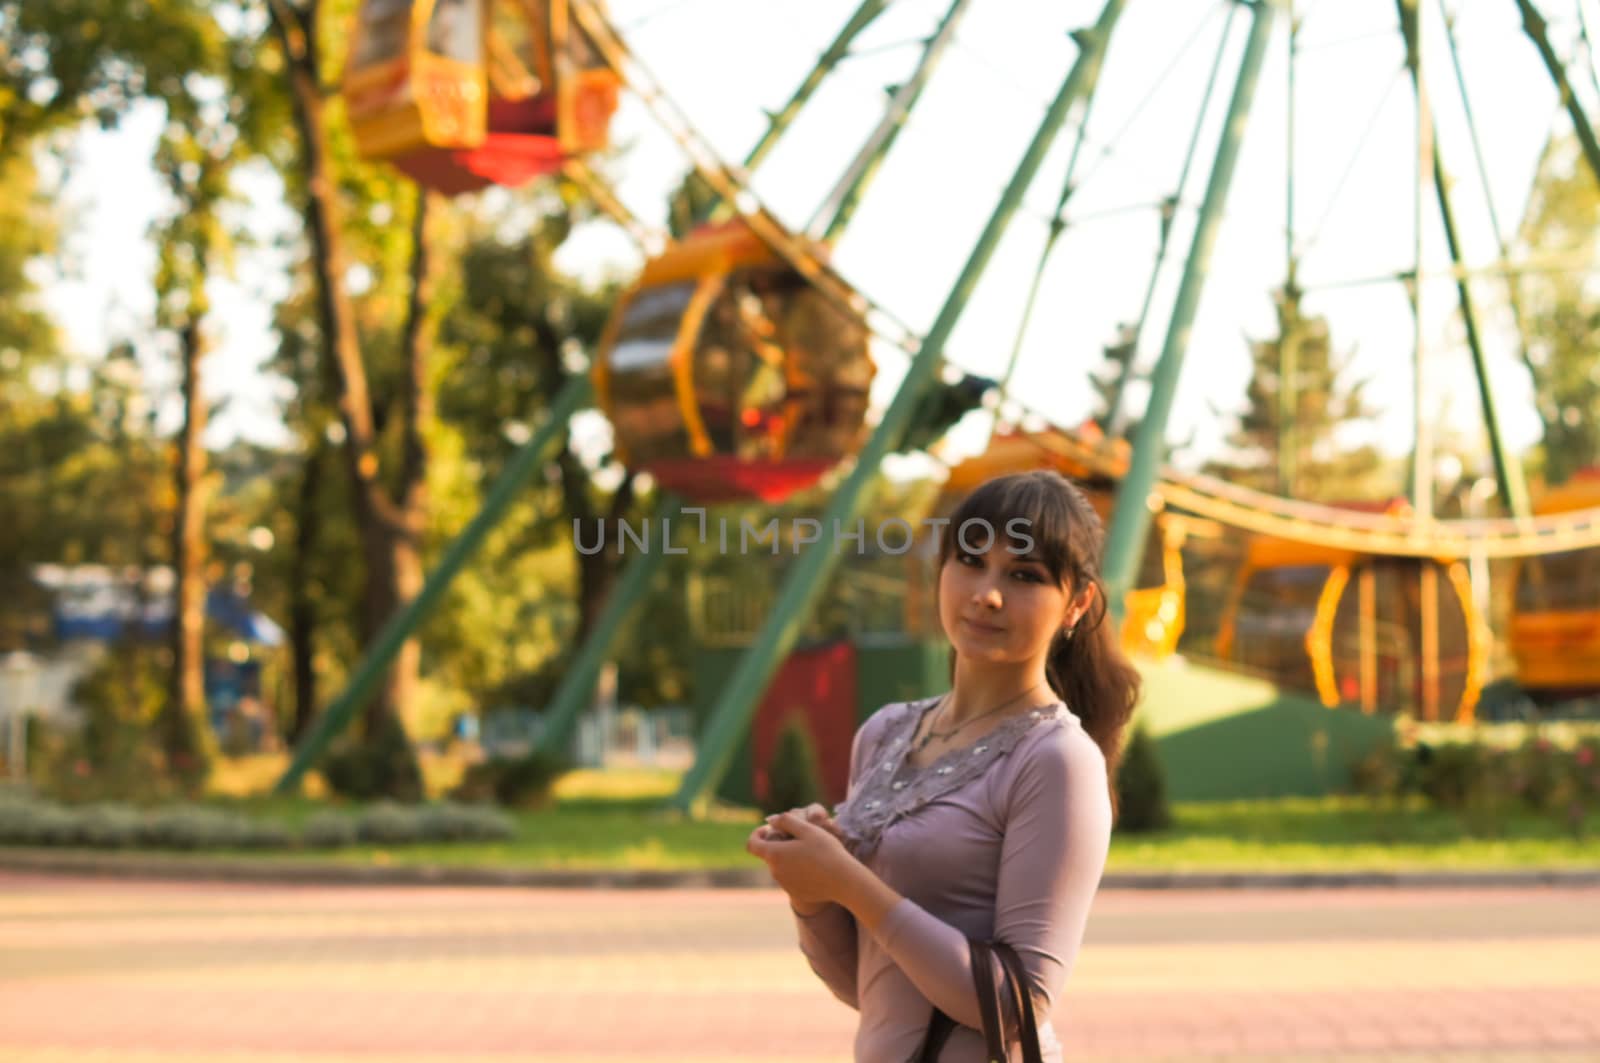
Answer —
892 788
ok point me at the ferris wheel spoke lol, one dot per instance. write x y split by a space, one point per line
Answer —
1207 497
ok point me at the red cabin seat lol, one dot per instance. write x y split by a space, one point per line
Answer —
520 145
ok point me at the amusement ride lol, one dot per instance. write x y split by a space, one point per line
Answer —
739 365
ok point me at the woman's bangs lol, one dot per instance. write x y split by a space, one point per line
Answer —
1025 516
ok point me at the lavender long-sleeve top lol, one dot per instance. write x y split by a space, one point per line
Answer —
1004 839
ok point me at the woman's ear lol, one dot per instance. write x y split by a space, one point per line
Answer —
1082 602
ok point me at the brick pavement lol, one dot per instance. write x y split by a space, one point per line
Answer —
103 970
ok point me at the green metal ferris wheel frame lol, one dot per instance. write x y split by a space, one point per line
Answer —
736 704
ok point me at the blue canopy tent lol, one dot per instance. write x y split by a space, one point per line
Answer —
92 603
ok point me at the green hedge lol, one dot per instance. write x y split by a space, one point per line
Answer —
1488 781
28 821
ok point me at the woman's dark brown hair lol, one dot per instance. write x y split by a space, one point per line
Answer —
1087 670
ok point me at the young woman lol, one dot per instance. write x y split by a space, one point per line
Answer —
985 812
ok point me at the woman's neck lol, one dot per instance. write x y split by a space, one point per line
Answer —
979 689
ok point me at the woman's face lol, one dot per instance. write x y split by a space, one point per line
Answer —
998 607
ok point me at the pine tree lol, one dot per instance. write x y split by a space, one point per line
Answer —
1288 442
793 777
1560 312
1142 786
1109 382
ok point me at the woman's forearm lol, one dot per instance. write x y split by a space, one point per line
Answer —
867 897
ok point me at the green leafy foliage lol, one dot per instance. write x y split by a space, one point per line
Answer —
1142 786
1560 310
330 830
1289 443
68 61
1486 783
690 204
793 779
941 406
526 781
114 754
26 820
374 766
1110 381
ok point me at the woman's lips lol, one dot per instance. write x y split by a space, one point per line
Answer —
981 627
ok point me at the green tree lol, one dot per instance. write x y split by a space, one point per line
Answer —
1288 440
68 61
690 204
1560 310
39 431
380 373
312 577
80 466
519 333
215 119
62 63
793 778
190 240
1110 381
1142 786
75 60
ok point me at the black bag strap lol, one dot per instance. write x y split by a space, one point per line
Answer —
1027 1024
988 1001
939 1030
940 1026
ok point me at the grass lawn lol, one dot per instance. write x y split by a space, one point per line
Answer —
1348 834
613 820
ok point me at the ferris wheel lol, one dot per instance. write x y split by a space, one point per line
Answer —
741 362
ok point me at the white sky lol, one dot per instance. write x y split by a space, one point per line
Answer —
933 195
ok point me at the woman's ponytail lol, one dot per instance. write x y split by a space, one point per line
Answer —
1088 670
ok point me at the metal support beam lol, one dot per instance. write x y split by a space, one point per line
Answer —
1534 25
574 395
583 672
1368 613
1058 226
731 715
1130 522
1289 332
1421 479
1428 590
1113 421
841 203
780 120
578 682
1513 490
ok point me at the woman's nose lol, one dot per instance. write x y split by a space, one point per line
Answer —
986 594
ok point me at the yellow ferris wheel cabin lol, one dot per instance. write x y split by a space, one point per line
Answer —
726 374
462 94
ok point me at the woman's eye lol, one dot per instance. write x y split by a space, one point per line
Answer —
969 559
1028 576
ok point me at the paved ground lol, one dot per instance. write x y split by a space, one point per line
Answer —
105 970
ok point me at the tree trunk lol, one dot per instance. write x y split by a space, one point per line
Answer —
393 543
397 554
302 606
399 539
379 520
185 730
598 572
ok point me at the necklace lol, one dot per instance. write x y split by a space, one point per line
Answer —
934 733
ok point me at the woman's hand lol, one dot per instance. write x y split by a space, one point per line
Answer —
817 814
804 851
